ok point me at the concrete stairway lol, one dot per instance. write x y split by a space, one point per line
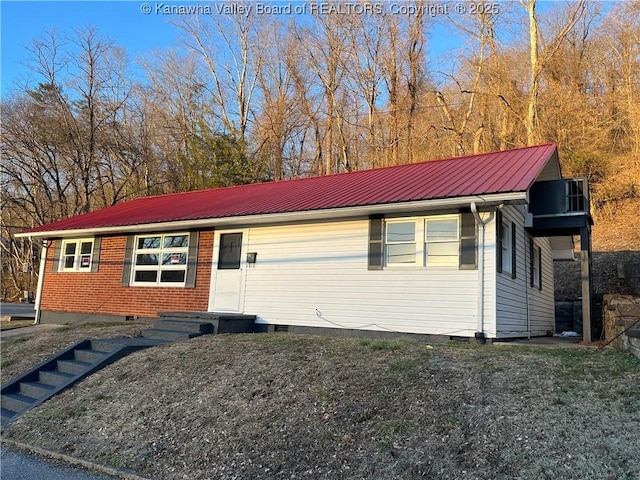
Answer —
216 322
87 356
61 371
175 329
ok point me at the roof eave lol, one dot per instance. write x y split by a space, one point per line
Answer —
485 200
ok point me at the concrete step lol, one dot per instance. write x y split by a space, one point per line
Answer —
16 402
6 412
35 389
105 346
72 367
7 416
89 356
171 335
53 377
176 324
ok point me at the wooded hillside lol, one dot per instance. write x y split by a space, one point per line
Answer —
246 98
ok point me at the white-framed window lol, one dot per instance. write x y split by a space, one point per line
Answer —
506 243
160 260
442 241
432 241
76 255
400 242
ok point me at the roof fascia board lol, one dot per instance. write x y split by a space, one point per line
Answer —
291 217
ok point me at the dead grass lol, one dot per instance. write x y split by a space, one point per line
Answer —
284 406
617 227
26 351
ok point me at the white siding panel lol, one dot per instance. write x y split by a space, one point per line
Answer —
542 302
489 320
316 275
522 310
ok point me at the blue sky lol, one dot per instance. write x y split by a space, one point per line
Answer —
122 21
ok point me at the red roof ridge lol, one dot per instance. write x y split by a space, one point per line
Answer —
351 172
505 171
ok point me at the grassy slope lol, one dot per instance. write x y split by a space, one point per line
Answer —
284 406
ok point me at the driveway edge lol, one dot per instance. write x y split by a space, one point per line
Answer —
96 467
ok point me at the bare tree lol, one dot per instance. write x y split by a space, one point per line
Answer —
364 75
280 127
232 52
539 60
325 51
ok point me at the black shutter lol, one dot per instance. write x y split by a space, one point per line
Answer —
513 249
192 260
499 240
468 259
376 244
128 261
531 250
95 254
540 268
55 263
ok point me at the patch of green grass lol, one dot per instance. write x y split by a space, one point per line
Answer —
6 363
566 395
61 414
366 415
394 427
113 460
624 362
382 344
99 397
20 340
402 364
328 395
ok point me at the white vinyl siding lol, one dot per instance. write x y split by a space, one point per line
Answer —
316 275
542 302
520 309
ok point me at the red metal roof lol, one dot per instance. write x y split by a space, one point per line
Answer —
490 173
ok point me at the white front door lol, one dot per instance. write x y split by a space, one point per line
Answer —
227 275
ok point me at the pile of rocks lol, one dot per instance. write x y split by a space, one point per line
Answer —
622 322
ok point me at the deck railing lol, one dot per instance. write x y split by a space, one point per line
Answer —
559 197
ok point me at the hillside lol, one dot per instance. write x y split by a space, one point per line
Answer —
283 406
615 242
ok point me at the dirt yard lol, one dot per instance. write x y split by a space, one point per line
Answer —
270 406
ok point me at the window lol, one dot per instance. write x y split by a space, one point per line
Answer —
76 255
160 259
401 242
230 251
507 241
433 241
536 266
506 246
441 241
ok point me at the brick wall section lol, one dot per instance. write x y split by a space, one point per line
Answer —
102 292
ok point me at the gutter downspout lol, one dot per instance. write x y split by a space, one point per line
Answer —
480 331
527 281
43 263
